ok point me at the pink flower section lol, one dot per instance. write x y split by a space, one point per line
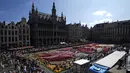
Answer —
57 55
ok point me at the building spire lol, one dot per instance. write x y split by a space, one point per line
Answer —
32 4
53 5
65 18
54 9
61 14
33 9
36 11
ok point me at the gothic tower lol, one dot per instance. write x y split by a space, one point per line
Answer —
53 10
62 15
33 9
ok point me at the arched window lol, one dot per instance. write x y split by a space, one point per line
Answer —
12 27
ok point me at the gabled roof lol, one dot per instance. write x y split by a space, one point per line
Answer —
44 15
41 13
48 16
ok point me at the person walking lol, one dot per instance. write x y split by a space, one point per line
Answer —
15 66
120 64
14 71
22 67
25 69
18 68
11 62
2 66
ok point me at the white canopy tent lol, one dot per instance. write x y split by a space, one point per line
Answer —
111 59
81 61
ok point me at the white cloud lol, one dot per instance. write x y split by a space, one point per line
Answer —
91 24
108 14
99 13
102 13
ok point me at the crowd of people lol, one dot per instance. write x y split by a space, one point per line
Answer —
28 50
13 62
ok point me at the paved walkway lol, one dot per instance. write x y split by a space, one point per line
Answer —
115 70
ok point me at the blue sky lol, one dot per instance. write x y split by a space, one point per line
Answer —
88 12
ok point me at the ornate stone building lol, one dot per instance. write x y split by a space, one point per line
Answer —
24 33
77 32
74 32
8 35
114 32
46 29
85 32
14 35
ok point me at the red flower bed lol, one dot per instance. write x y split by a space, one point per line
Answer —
105 50
57 56
67 49
87 50
44 55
